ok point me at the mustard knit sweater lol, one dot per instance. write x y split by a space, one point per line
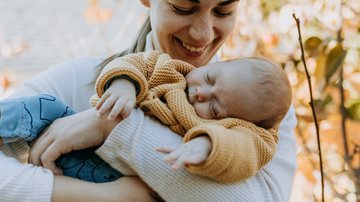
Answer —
239 148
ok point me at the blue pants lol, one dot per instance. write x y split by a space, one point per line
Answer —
26 117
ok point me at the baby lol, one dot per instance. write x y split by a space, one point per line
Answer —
208 105
212 106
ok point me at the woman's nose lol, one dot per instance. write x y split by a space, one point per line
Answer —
202 30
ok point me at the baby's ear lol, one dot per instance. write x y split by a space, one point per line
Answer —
146 3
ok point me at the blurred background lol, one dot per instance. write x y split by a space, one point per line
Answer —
39 33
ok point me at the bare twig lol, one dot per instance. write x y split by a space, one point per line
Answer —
348 158
311 104
342 106
308 153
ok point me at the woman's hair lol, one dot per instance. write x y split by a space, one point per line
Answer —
137 46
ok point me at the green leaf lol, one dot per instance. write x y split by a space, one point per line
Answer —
271 6
322 103
353 110
320 70
334 60
312 44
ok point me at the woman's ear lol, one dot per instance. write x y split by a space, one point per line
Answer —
146 3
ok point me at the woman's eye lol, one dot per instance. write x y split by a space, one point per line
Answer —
222 13
182 11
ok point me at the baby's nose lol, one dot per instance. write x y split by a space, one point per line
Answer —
202 94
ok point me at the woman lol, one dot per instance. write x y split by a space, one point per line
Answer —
189 30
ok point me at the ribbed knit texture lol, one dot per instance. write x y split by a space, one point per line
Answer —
23 182
239 148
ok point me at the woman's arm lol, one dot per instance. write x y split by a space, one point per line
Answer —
19 182
133 143
123 189
131 148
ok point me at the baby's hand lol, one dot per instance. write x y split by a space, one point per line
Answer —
120 98
196 151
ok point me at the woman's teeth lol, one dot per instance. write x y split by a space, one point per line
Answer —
192 48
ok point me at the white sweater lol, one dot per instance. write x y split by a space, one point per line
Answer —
132 145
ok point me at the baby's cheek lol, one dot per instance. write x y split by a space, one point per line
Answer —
202 110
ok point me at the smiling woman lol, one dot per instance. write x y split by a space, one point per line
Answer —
189 30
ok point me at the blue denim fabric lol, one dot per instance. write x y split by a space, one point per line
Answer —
25 118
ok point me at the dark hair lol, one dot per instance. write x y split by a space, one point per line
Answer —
137 46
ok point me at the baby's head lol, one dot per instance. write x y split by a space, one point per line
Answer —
252 89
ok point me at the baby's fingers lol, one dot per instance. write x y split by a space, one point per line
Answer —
180 161
164 150
106 106
173 156
194 159
117 108
101 101
129 106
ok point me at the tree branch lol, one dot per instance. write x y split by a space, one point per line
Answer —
311 104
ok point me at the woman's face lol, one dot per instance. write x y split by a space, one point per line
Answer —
191 30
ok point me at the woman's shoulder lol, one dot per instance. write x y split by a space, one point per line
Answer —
72 66
80 63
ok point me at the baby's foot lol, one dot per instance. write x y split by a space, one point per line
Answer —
26 117
86 165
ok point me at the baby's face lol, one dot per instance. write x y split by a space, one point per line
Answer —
220 90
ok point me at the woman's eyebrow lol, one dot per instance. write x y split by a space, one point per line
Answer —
224 3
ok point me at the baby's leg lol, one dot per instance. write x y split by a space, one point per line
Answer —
86 165
25 117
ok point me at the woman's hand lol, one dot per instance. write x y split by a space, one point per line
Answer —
79 131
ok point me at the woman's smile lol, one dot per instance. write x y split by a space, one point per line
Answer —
189 50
